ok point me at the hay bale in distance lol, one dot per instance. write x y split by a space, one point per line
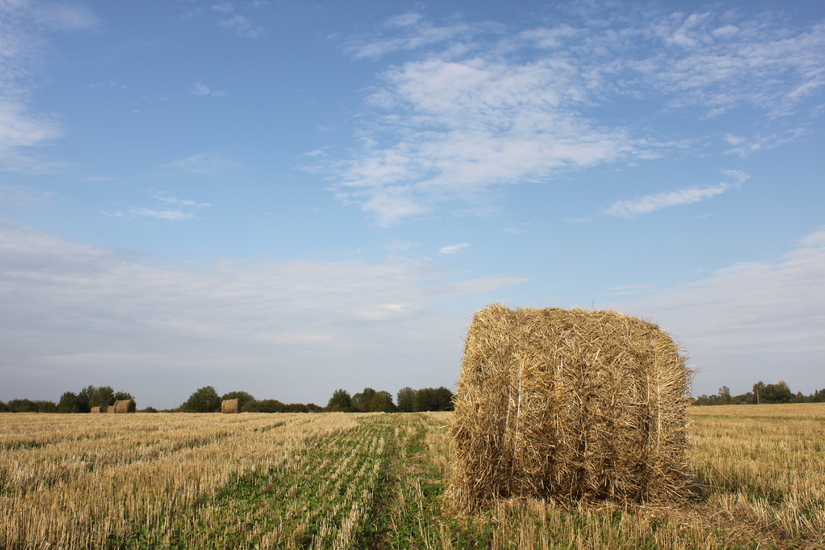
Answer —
125 406
110 409
97 409
566 406
230 406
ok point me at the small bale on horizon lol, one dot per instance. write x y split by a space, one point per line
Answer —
568 406
97 409
124 406
230 406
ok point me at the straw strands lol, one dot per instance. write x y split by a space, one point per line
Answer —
230 406
568 405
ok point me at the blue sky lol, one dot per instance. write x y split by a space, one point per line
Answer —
287 198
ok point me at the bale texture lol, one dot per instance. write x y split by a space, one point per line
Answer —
98 409
568 405
125 406
230 406
109 409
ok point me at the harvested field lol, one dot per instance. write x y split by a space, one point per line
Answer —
338 480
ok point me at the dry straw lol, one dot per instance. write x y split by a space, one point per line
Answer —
124 406
98 409
568 405
230 406
110 409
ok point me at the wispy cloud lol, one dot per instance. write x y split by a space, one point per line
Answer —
477 106
453 248
202 163
24 196
24 27
650 203
69 306
171 208
746 146
242 25
201 89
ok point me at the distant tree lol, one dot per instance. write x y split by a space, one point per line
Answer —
122 396
266 406
313 408
84 396
102 396
244 399
433 399
70 402
362 402
4 407
340 401
149 410
818 396
205 399
757 391
22 405
724 395
444 398
776 393
382 402
406 397
46 406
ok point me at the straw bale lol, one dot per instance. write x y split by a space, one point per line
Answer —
125 406
97 409
568 406
230 406
110 409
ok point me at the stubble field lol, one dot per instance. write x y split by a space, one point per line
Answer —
376 481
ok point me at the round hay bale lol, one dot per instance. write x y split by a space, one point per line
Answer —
230 406
568 405
96 409
109 409
125 406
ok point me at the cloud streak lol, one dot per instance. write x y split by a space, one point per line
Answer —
646 204
173 209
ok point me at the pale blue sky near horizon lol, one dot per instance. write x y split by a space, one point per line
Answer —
288 198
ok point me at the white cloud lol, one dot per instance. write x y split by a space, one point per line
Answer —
453 248
746 146
752 321
224 7
477 106
243 26
173 209
464 127
415 32
201 89
650 203
202 163
289 330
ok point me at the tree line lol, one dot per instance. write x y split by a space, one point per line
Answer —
207 399
70 402
761 394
